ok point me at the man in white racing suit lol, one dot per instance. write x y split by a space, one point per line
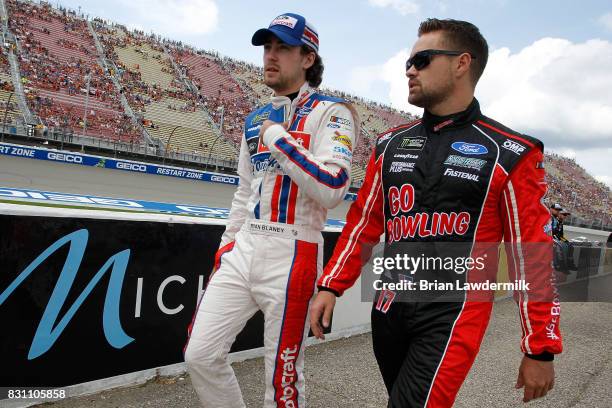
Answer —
294 164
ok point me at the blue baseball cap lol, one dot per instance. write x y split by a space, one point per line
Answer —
291 29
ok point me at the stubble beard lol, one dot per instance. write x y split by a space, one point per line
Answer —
431 97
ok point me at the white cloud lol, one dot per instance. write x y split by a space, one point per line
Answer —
553 89
391 74
404 7
174 18
606 21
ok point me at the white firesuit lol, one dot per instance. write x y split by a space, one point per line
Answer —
271 252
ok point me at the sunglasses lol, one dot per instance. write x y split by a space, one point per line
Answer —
423 58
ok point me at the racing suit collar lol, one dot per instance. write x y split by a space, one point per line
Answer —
436 123
304 93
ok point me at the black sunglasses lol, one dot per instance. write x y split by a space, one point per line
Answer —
423 58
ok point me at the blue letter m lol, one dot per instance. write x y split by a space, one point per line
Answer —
46 334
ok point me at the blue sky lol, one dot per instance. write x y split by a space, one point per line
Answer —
549 73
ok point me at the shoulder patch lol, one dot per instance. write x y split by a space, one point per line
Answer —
512 145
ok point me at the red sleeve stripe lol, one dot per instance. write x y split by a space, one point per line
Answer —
275 199
515 231
485 124
361 225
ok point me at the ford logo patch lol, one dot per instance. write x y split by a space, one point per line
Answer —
469 148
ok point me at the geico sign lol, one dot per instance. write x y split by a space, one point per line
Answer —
222 179
131 166
64 157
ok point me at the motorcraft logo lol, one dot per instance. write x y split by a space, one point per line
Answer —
264 163
466 162
288 380
469 148
412 143
513 146
284 20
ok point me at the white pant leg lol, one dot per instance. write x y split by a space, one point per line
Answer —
225 308
283 285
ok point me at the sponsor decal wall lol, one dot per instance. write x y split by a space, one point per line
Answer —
84 299
109 163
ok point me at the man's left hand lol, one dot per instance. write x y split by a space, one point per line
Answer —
538 377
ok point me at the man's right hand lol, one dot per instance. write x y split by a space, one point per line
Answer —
321 312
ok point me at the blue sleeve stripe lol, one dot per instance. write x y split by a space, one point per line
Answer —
322 176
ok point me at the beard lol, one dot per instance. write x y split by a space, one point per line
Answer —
428 97
282 81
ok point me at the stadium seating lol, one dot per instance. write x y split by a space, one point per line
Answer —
58 53
8 103
184 110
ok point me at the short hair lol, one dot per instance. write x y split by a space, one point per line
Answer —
314 74
461 36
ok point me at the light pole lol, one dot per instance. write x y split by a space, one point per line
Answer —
168 143
211 148
8 102
222 110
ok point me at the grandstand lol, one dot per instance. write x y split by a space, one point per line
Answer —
148 94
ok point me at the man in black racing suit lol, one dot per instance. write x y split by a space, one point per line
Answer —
454 176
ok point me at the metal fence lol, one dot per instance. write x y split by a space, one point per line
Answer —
66 139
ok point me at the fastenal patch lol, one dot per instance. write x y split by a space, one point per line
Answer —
412 143
460 174
466 162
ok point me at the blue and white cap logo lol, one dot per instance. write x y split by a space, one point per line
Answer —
291 29
469 148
